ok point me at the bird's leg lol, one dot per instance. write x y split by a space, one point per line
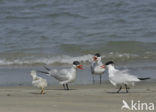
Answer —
67 86
41 91
93 80
64 87
126 88
100 78
119 89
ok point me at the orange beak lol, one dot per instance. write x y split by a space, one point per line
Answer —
80 66
103 66
94 58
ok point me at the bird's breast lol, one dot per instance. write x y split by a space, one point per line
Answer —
72 76
98 70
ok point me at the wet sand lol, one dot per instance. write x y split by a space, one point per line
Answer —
81 98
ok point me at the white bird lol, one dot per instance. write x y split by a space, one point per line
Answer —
38 82
121 77
97 67
64 76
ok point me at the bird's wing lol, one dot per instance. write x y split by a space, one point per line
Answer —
64 71
36 82
53 72
113 82
37 78
124 71
124 77
40 83
62 75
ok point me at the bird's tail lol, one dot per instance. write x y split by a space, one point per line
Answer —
42 72
49 72
144 78
48 69
46 73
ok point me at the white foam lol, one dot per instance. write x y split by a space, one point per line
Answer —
64 59
57 59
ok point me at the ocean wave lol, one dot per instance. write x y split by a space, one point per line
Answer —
44 60
65 59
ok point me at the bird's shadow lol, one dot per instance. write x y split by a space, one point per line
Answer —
128 92
116 93
62 89
35 93
38 93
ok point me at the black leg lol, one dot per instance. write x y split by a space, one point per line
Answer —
119 89
67 86
126 88
100 78
64 87
93 79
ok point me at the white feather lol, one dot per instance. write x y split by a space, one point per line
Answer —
96 68
37 81
118 77
64 76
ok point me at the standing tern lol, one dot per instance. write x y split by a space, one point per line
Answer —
64 76
97 67
38 82
121 77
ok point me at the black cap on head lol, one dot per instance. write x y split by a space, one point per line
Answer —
76 62
109 62
97 54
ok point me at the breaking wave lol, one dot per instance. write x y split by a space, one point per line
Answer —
65 59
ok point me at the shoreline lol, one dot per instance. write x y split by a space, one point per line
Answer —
15 76
81 98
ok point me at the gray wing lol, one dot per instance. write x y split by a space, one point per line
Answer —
62 75
124 71
124 76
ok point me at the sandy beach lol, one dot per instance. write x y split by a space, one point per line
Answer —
55 33
81 98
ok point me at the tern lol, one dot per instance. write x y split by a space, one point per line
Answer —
64 76
121 77
97 67
38 82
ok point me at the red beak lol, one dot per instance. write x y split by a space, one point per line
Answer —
94 58
103 66
80 66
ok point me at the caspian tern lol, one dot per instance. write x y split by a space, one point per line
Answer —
97 67
121 77
64 76
38 82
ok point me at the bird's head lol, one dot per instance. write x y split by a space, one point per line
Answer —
109 63
33 73
77 64
97 57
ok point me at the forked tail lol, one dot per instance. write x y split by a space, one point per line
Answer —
42 72
48 69
144 78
